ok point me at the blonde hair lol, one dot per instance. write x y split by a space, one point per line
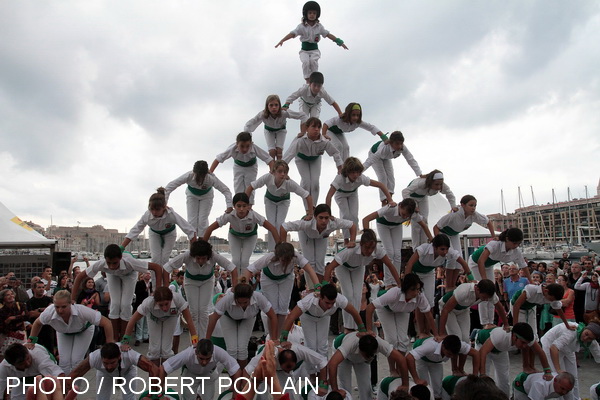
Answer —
352 164
62 295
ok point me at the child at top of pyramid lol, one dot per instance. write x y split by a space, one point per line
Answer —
310 31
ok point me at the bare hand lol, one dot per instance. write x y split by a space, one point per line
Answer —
421 382
344 46
30 346
351 244
392 204
454 209
228 210
326 137
548 376
300 134
279 44
308 217
125 347
571 327
342 392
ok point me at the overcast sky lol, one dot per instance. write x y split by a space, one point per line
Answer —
101 102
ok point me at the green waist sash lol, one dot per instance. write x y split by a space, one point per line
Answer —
200 277
163 233
249 163
385 384
87 325
272 276
242 234
482 336
422 269
308 103
519 382
350 266
375 147
449 231
447 296
276 199
308 46
271 129
337 342
449 383
477 253
419 342
383 221
307 158
219 341
335 129
198 192
417 196
526 305
347 191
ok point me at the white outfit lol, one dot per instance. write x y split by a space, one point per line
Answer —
315 321
346 197
242 236
591 294
380 158
387 386
74 337
245 167
389 229
394 313
425 267
352 359
163 233
121 284
351 275
174 287
275 128
595 391
187 362
313 242
198 281
238 323
127 370
568 344
338 127
417 191
41 364
310 104
161 325
307 154
537 388
199 198
428 356
449 383
454 223
277 200
533 296
310 34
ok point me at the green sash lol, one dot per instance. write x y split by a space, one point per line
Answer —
272 276
337 342
449 231
200 277
276 199
422 269
163 233
519 382
270 129
169 393
447 297
308 46
418 343
335 129
347 191
249 163
222 395
526 305
383 221
242 234
417 196
449 383
482 336
219 341
87 325
198 192
385 384
307 158
177 287
477 253
350 266
375 147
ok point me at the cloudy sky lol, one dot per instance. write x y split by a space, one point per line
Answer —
101 102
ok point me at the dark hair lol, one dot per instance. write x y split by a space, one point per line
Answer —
440 240
243 290
310 6
163 294
348 112
351 164
524 330
486 286
467 198
368 236
180 273
201 248
512 234
113 251
42 283
452 343
110 351
284 251
334 396
329 291
476 387
16 353
313 121
420 392
316 77
410 205
429 178
243 197
205 347
200 171
285 355
410 281
555 290
396 137
158 199
321 208
368 345
400 394
243 137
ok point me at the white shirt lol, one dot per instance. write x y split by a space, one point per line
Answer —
150 308
352 258
80 317
350 126
591 294
310 33
465 295
310 227
189 359
386 152
307 96
209 181
534 294
457 221
253 152
314 361
41 364
430 261
417 189
312 148
499 253
566 341
276 267
53 284
241 225
391 214
343 184
275 123
227 304
349 348
129 360
433 350
127 266
166 221
287 186
310 305
537 388
395 300
194 268
502 340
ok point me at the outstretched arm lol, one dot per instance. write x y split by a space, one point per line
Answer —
330 194
285 38
385 191
269 226
368 219
213 166
210 230
337 40
329 269
388 263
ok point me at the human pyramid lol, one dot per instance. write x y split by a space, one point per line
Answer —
221 325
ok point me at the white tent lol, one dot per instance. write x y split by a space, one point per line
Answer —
15 233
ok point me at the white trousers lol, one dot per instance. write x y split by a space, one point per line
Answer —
501 363
310 172
459 324
198 210
276 212
593 394
568 363
486 308
205 388
341 143
348 205
316 333
161 253
237 335
310 61
351 282
141 329
385 174
243 177
455 244
241 250
199 297
121 290
363 377
107 389
161 337
275 139
391 238
311 110
428 280
395 328
433 373
278 292
417 234
314 251
72 348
